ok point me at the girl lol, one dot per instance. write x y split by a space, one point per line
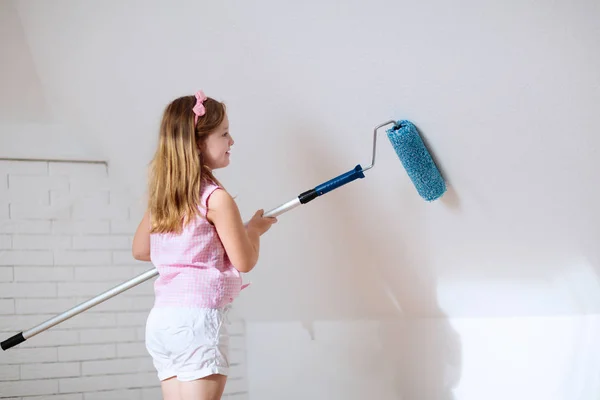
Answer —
193 234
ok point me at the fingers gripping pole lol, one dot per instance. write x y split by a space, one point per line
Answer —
303 198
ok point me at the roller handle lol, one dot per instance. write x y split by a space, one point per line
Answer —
332 184
12 341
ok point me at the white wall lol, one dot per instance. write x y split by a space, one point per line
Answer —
28 125
505 94
462 358
66 235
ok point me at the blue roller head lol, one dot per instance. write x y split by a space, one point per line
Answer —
416 160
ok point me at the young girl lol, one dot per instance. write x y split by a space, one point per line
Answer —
193 234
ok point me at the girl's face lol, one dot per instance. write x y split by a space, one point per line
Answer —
217 146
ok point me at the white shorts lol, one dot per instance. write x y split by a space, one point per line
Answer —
188 343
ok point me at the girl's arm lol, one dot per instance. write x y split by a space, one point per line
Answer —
141 240
241 243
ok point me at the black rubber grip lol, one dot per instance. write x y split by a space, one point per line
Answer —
308 196
12 341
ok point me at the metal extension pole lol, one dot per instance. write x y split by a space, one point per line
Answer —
303 198
22 336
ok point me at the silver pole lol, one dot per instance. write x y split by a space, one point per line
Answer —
21 337
90 303
283 208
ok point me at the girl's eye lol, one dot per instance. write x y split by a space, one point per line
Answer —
226 133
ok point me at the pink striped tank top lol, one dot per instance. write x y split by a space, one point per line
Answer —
193 267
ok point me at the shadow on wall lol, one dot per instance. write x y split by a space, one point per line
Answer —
374 227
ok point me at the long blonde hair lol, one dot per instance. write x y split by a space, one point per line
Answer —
177 172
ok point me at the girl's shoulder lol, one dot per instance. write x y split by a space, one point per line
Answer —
207 188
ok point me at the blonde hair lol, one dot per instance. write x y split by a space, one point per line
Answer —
177 172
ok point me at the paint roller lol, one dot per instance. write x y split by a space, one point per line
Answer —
409 147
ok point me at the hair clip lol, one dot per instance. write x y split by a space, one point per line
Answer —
199 109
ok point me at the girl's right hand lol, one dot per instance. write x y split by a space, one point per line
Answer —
261 224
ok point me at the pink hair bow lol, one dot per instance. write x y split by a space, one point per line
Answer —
199 109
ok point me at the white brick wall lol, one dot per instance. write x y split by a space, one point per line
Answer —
65 237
